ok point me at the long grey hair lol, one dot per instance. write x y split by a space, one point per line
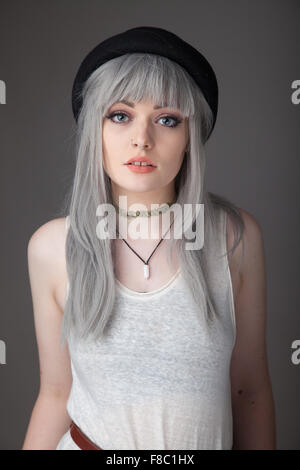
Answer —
90 260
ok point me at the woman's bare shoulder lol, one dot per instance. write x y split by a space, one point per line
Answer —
252 231
46 251
251 225
48 239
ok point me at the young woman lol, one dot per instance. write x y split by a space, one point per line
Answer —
165 344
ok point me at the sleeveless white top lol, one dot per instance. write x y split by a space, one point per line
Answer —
158 380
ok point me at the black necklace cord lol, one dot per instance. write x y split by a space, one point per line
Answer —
145 262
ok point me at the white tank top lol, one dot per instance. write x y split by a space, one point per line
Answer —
157 380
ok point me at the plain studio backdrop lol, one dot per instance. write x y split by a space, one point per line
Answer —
253 157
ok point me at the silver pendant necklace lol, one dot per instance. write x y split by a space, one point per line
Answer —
146 263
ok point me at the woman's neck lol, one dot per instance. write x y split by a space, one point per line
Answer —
128 200
149 228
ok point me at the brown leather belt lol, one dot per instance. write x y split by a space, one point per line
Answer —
81 439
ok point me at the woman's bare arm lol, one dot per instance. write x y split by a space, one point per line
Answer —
49 419
252 397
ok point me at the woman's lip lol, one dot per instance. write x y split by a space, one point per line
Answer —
140 169
141 166
140 159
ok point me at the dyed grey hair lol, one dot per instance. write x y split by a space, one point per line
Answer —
90 260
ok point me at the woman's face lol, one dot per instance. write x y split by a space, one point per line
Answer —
138 129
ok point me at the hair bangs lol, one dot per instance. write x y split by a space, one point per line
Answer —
150 77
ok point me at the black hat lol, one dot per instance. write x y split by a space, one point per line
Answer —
150 40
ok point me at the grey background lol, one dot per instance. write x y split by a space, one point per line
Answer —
253 156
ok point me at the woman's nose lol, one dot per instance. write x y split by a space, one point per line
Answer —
139 143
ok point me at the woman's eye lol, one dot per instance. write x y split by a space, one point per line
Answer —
174 120
111 116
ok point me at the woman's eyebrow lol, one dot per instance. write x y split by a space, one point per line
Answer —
129 103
